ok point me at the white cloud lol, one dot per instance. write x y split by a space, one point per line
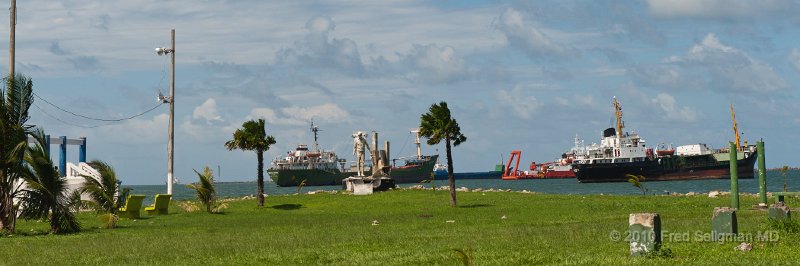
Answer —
208 112
138 130
712 64
528 37
525 106
719 9
295 115
318 50
794 58
435 64
667 104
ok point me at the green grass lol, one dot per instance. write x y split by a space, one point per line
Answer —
337 229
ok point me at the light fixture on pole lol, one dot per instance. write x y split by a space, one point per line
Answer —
171 100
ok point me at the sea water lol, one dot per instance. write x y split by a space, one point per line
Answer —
775 182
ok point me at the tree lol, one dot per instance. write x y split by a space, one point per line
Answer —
253 137
437 125
103 191
15 100
45 192
204 188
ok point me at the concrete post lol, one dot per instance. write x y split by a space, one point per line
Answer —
779 211
734 176
762 173
62 160
723 223
645 233
82 150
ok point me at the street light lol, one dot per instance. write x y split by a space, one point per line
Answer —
171 100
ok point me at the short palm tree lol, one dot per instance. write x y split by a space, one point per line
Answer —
45 194
102 191
253 137
437 125
15 99
204 188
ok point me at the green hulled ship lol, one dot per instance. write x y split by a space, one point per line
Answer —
308 167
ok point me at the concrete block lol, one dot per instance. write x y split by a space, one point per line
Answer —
779 211
645 233
723 223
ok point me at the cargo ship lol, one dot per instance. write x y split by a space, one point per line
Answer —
308 167
415 168
440 173
622 154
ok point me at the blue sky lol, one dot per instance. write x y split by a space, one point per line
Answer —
526 75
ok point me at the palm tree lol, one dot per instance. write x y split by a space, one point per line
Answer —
438 125
253 137
205 190
102 191
15 100
45 194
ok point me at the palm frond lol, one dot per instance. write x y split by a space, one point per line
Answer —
204 188
45 194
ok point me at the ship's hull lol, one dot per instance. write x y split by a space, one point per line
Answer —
664 169
442 175
414 173
312 177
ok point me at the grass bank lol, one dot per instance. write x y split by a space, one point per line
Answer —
413 229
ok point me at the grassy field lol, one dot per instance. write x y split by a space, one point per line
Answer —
413 229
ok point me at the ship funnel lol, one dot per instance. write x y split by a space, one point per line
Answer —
609 132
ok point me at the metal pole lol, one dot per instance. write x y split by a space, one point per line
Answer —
12 41
734 176
171 142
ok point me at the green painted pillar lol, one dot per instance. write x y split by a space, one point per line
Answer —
723 223
762 173
734 176
645 233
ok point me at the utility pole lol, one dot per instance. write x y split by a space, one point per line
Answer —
171 141
11 39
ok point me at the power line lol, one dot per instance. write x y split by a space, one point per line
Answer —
62 121
94 118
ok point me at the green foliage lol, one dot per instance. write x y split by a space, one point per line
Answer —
45 194
437 125
103 191
783 225
253 137
16 99
465 256
325 229
638 182
204 189
300 186
660 253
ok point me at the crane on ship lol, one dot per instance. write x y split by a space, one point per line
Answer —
739 147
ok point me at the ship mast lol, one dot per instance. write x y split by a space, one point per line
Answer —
735 128
315 129
419 149
618 113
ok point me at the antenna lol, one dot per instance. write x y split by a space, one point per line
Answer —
315 129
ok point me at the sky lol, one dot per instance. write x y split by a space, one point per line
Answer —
527 75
